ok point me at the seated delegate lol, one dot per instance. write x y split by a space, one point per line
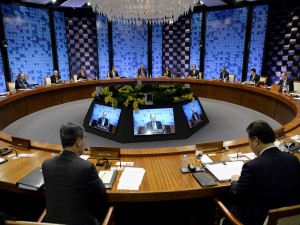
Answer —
55 78
224 75
194 73
21 82
167 72
286 84
142 72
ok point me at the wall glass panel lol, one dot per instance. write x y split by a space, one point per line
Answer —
157 50
61 45
28 41
2 78
103 52
225 36
130 48
257 42
195 39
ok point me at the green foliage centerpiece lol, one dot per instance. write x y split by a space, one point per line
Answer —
134 95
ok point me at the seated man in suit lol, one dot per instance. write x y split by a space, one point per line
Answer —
287 84
271 180
82 75
253 76
224 75
55 78
167 72
142 72
103 121
113 73
21 82
74 192
195 116
154 126
193 73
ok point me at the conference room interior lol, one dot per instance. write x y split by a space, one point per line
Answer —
37 39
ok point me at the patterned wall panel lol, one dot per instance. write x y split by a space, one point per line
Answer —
103 52
82 44
130 45
157 50
2 78
28 41
176 46
225 36
61 45
195 40
257 42
283 50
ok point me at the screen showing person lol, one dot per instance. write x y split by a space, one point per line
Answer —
193 113
105 118
154 121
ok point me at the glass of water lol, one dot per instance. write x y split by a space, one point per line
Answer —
198 153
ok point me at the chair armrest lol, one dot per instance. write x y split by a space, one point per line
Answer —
109 216
42 216
227 213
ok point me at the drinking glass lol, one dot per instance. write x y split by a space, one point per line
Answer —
198 153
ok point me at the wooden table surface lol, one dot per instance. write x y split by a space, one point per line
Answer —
163 179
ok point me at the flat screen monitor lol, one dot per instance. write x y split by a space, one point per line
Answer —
155 121
105 118
194 113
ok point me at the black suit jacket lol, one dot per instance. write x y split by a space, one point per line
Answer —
75 194
150 127
269 181
81 76
256 78
225 76
192 74
21 84
99 122
110 74
53 79
167 73
140 72
290 82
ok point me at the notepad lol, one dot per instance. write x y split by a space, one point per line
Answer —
32 181
108 177
223 171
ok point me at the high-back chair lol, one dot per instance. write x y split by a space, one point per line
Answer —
297 86
47 81
108 220
10 86
263 79
232 78
280 216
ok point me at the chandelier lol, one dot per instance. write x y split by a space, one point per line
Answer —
139 11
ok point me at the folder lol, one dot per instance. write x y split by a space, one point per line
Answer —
108 177
223 171
32 181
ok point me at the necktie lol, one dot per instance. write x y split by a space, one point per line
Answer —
102 123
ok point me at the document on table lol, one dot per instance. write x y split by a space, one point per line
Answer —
223 171
131 178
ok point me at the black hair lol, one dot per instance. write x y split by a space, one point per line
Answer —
262 130
69 133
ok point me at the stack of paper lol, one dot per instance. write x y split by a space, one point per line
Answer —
131 178
224 170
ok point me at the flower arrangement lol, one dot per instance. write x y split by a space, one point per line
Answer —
133 95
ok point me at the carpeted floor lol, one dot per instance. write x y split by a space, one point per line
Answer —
227 122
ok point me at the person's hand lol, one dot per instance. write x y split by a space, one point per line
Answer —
235 178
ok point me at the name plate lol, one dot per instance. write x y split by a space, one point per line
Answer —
105 152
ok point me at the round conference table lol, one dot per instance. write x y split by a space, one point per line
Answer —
163 180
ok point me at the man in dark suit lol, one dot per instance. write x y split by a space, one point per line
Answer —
193 73
103 121
167 72
55 78
142 72
82 75
253 76
75 194
21 82
195 115
154 125
113 73
224 75
287 84
269 181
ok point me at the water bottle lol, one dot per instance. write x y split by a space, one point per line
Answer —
184 164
